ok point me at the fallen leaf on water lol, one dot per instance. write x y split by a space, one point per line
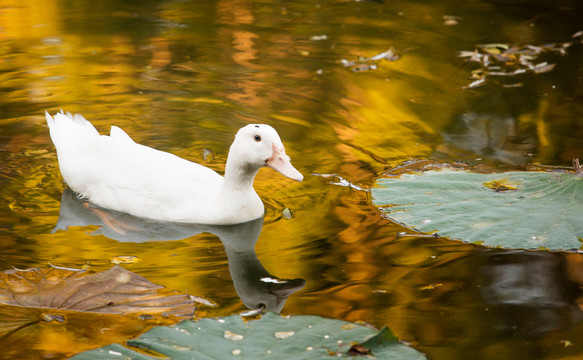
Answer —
390 55
515 85
371 63
358 350
384 338
543 68
57 312
475 84
501 185
493 48
202 301
364 67
287 214
498 59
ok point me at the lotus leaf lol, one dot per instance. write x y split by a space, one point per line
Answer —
271 337
526 210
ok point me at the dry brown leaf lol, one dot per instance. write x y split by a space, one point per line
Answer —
57 312
114 291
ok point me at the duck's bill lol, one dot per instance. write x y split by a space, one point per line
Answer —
279 162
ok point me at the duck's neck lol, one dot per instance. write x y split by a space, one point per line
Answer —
239 176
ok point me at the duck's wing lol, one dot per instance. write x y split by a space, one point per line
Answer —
116 173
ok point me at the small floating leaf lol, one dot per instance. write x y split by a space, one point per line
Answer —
358 350
504 60
287 214
465 53
370 63
387 55
501 185
499 46
475 84
543 68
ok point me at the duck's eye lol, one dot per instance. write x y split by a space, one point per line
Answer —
257 138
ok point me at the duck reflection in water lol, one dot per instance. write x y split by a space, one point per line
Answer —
258 289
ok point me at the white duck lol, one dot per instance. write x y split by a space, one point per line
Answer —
116 173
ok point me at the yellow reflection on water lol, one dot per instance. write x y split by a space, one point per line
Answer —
184 76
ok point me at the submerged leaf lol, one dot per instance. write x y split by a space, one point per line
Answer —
72 310
272 336
543 210
114 291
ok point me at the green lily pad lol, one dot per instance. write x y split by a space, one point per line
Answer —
272 336
519 210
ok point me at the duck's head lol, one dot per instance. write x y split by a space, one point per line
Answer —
258 145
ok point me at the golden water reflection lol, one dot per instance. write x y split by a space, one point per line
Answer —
184 76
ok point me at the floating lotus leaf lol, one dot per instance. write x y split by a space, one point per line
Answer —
526 210
271 337
57 312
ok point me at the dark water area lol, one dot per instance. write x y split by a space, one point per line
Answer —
355 89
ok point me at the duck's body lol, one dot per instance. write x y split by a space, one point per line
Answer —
116 173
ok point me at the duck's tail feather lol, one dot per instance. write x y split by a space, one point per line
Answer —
120 135
65 126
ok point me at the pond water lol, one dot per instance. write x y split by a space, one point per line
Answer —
355 89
